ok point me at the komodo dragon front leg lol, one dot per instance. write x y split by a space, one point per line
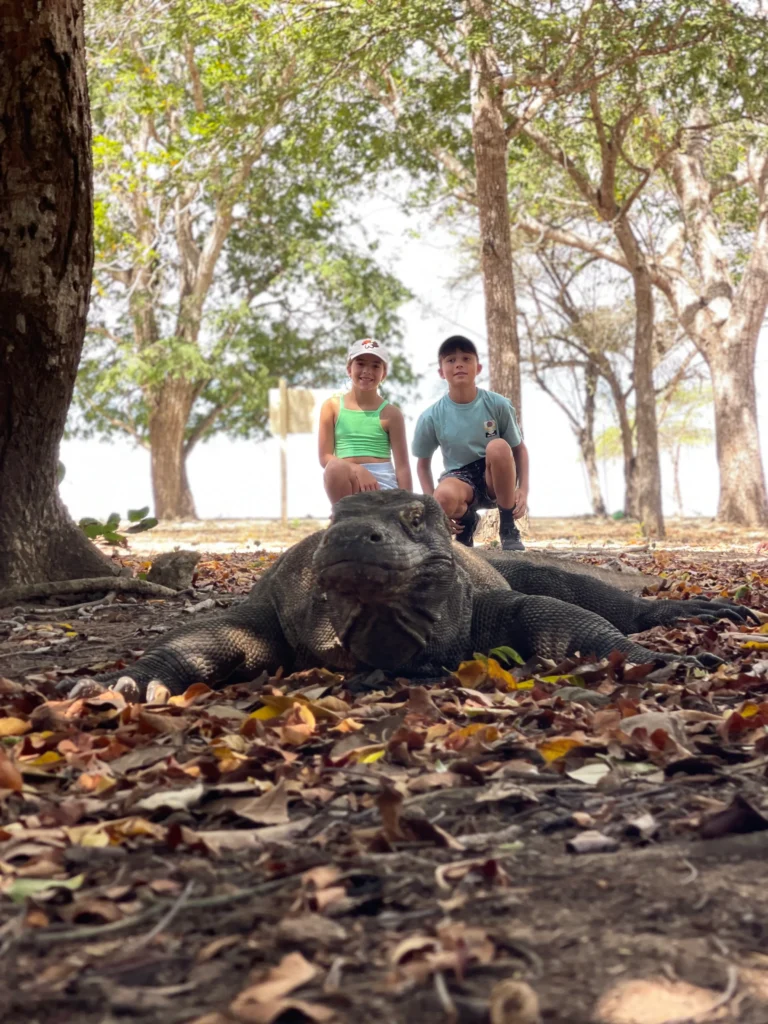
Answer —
555 629
626 612
236 645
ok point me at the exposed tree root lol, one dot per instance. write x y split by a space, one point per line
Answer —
122 584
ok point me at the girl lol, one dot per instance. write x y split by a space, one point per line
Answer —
359 430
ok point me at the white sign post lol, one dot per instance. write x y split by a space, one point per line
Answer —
291 411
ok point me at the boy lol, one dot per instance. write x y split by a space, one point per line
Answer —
486 461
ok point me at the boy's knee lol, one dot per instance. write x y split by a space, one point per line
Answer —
450 502
497 449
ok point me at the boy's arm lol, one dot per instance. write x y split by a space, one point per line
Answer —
424 473
424 445
325 437
520 453
399 443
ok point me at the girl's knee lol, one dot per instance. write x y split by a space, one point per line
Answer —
339 480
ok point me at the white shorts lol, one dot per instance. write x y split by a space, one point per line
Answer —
384 473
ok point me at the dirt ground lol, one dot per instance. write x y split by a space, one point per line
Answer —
411 854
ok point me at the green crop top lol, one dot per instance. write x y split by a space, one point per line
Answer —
359 432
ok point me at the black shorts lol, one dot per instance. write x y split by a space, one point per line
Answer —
474 475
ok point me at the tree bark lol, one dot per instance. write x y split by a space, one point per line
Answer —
587 440
723 317
737 440
171 406
490 148
647 468
46 258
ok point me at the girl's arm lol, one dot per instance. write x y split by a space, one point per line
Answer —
399 444
326 439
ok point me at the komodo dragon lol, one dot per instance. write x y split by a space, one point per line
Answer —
384 587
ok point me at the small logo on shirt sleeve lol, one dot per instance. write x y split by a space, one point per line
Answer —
490 428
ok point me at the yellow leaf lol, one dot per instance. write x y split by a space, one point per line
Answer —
491 733
13 726
523 684
470 673
763 628
552 750
500 675
371 758
265 713
375 750
563 680
49 757
87 835
749 710
756 645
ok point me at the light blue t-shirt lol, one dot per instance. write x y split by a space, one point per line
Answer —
462 430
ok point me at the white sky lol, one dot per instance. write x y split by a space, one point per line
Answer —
233 479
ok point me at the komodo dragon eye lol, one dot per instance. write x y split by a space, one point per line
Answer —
414 516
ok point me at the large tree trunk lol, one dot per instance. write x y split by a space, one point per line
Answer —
737 440
46 256
647 466
490 149
171 407
724 317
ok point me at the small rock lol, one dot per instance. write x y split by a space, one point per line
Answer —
174 569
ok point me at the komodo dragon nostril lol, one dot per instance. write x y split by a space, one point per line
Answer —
376 538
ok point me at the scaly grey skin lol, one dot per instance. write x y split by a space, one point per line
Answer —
625 611
384 587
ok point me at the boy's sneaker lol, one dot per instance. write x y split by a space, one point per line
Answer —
469 523
509 535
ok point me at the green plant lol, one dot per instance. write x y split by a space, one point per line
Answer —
94 528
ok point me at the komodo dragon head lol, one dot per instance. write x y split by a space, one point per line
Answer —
388 564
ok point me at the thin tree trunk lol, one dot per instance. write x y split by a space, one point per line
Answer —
46 256
490 149
648 470
587 441
737 440
589 457
627 446
676 477
168 419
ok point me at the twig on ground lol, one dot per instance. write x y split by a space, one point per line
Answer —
101 601
694 874
726 997
167 918
51 935
448 1005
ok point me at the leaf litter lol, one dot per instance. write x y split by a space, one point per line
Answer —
292 850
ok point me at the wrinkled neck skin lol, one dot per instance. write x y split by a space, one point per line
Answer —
403 627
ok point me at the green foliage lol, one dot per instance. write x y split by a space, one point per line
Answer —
507 655
108 530
227 255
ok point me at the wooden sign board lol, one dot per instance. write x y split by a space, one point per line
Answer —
300 408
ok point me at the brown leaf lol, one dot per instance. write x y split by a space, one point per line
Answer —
299 1010
292 972
390 804
270 808
513 1002
10 776
738 818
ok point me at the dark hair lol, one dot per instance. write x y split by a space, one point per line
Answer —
456 343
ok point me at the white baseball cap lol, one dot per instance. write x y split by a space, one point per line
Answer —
369 347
